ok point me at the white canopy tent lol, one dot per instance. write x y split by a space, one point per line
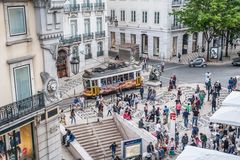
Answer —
233 99
196 153
227 115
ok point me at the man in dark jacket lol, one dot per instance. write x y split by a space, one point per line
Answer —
185 117
214 105
184 140
113 147
150 148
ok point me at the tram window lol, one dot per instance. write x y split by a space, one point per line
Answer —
125 77
114 79
120 78
103 82
94 82
109 80
138 73
86 83
131 75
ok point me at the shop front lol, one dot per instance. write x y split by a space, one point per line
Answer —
18 144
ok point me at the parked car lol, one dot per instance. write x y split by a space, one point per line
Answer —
198 62
236 62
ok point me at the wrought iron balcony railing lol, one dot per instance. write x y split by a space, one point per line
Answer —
68 8
68 40
100 53
88 56
21 108
87 7
87 36
100 34
176 2
99 6
177 27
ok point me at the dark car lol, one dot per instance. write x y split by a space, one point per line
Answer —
198 62
236 62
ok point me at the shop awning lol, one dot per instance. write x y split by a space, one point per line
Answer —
229 115
196 153
233 99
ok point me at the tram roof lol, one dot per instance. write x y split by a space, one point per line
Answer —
90 74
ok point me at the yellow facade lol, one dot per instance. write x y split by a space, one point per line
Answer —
20 49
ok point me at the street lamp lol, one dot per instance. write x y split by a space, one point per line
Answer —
75 65
115 22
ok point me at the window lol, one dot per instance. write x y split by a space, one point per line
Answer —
73 24
133 38
87 26
144 17
131 76
17 20
122 36
88 53
112 14
133 16
122 15
75 51
156 46
156 17
100 49
22 79
99 24
175 22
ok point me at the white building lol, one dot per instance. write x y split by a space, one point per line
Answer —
149 24
84 35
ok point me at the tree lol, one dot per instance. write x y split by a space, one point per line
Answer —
208 16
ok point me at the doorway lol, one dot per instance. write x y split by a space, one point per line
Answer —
144 44
185 44
62 64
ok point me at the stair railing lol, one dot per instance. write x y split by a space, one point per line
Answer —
98 141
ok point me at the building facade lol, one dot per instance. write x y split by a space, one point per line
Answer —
29 127
149 24
85 32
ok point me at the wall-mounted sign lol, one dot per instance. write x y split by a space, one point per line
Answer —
131 148
214 53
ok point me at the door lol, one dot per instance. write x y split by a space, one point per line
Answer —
22 79
174 46
144 44
185 44
95 88
138 78
62 64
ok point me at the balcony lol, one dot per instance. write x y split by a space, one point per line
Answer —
87 7
178 27
88 56
69 40
71 8
99 7
21 108
87 36
176 2
100 53
100 34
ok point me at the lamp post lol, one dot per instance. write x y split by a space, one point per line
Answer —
115 22
75 65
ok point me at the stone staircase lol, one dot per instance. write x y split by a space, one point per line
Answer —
96 138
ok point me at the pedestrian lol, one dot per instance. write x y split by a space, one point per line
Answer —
195 131
146 110
188 107
179 94
176 139
72 116
141 124
162 66
170 87
166 111
214 104
178 109
113 148
203 138
197 89
174 81
136 101
76 102
82 102
150 149
110 108
62 117
67 132
185 117
179 57
70 138
195 117
184 140
171 147
141 92
97 101
225 145
157 113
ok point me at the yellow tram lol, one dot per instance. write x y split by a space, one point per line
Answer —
111 79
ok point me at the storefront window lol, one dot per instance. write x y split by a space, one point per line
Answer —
17 144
